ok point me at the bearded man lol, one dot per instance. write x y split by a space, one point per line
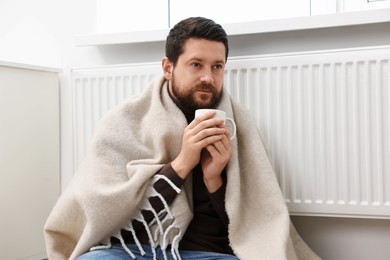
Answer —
158 183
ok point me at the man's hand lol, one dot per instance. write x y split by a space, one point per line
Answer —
202 132
214 159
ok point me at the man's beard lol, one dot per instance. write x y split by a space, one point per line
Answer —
188 101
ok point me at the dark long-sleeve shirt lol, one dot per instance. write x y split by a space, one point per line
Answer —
208 230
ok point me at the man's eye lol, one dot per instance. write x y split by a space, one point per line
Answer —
195 65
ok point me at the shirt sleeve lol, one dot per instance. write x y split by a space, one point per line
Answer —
164 189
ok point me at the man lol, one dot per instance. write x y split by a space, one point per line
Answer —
159 184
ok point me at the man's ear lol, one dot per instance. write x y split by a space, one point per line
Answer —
167 67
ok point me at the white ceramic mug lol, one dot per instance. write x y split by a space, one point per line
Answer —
220 114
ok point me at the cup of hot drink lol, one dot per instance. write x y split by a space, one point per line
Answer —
220 114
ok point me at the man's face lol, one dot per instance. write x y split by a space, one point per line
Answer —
197 77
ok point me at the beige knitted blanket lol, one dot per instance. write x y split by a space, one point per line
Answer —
131 143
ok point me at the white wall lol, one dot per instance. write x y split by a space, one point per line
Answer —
42 32
346 238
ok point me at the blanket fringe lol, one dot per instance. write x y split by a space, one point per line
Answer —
108 245
119 236
159 219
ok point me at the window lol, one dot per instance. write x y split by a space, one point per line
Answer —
229 11
359 5
126 15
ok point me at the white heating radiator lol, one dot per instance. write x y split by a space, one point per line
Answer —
324 116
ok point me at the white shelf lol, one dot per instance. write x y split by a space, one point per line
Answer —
266 26
28 66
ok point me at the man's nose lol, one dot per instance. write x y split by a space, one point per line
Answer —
207 77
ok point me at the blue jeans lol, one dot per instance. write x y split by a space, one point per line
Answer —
116 252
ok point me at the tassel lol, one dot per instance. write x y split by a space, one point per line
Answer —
165 214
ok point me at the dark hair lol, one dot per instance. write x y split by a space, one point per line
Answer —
193 27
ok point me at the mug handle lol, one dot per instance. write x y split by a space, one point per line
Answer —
231 121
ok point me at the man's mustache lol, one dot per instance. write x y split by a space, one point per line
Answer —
205 86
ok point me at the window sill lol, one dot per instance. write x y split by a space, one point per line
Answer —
256 27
